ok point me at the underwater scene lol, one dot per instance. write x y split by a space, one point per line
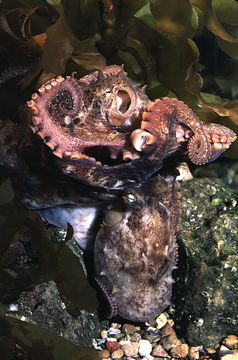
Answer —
118 179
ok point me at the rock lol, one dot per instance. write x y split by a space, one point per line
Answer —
161 320
203 293
104 354
112 346
103 334
159 351
231 341
169 341
136 337
193 352
227 354
128 329
43 306
168 330
117 354
145 347
152 337
130 349
180 351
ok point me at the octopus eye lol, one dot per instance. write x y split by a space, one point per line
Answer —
113 217
130 198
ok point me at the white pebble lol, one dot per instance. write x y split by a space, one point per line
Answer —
145 347
161 320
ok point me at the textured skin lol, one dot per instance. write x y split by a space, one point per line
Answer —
101 143
175 125
135 251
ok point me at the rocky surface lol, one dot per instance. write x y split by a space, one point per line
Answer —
205 297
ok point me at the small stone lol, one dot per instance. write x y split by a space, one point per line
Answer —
227 354
153 338
231 341
193 352
128 329
112 346
104 354
130 349
169 341
103 334
117 354
136 337
210 350
145 347
180 351
161 320
159 351
167 330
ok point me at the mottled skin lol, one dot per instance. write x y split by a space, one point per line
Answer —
135 250
100 145
174 125
104 130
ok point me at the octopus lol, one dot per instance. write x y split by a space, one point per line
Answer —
97 157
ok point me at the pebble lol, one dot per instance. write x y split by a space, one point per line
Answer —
128 329
180 351
227 354
169 341
112 346
104 354
231 341
153 338
159 351
130 349
117 354
145 347
103 334
136 337
161 320
168 330
193 352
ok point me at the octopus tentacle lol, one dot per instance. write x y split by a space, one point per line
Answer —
54 107
220 138
112 312
199 149
172 122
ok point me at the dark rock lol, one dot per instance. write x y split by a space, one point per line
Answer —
204 297
44 307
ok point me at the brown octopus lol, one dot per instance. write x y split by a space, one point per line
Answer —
106 132
105 147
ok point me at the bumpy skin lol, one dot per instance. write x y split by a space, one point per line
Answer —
100 133
135 251
174 126
87 125
103 142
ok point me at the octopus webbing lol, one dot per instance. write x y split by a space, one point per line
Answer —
96 161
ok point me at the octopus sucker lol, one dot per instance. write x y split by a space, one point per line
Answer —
112 306
199 149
